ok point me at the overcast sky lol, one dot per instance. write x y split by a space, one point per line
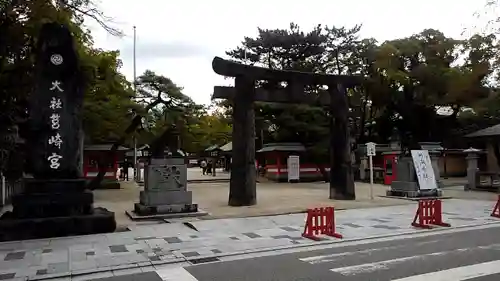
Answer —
179 39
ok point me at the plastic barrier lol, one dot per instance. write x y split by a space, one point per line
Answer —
320 221
429 213
496 210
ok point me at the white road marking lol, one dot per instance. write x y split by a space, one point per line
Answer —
458 273
428 242
175 274
332 257
386 264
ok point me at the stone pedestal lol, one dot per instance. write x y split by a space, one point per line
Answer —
165 190
53 208
435 166
472 168
406 183
52 198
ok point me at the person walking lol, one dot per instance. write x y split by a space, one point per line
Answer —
119 173
125 171
209 167
203 166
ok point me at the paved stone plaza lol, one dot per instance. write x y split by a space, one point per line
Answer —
212 197
150 247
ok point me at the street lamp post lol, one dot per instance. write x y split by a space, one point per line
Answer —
136 169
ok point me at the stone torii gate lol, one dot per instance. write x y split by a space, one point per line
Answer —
244 94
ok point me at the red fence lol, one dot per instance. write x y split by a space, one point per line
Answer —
429 212
320 221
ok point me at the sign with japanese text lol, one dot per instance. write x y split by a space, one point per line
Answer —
55 139
293 168
370 149
423 169
55 106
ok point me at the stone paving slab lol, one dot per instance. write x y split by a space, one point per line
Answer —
147 246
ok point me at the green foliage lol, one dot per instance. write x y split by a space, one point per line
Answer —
197 129
428 70
407 80
108 106
107 96
210 129
291 49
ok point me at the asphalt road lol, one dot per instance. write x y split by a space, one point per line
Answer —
472 255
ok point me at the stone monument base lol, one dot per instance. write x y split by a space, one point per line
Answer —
164 216
145 210
52 208
99 221
411 189
41 205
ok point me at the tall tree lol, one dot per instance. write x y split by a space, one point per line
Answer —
422 74
108 104
287 49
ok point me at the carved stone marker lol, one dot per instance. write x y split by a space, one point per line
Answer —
165 190
472 168
406 183
54 202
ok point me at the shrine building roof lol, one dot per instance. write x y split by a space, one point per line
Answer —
493 131
102 147
285 146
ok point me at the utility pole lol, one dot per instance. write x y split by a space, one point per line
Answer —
136 168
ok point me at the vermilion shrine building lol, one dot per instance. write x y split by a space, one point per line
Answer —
274 157
96 152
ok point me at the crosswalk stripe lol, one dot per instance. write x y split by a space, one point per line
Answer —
385 264
332 257
458 273
335 256
175 274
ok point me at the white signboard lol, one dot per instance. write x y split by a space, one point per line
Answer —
423 169
370 149
293 167
370 152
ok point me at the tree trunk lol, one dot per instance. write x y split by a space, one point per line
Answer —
242 188
341 176
496 152
323 172
362 137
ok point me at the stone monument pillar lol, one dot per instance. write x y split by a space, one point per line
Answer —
55 201
363 165
406 182
165 191
435 156
472 167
